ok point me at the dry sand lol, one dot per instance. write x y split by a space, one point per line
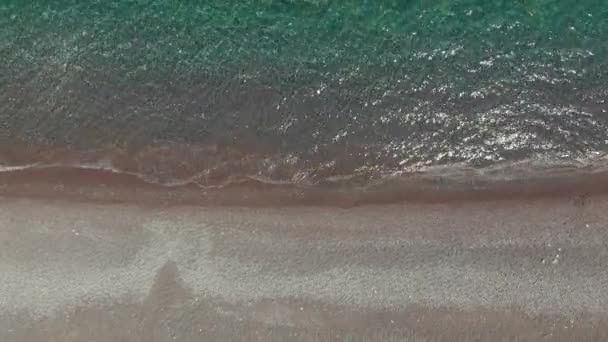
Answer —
500 269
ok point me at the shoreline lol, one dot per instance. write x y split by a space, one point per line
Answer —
108 186
257 176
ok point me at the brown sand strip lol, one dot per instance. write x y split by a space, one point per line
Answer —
103 186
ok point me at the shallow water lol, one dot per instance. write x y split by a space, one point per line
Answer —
302 91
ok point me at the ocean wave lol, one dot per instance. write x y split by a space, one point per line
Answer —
177 167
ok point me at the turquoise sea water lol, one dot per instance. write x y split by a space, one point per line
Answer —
359 84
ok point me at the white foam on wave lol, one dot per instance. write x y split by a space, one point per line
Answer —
538 167
9 168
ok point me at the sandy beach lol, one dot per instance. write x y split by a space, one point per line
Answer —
123 268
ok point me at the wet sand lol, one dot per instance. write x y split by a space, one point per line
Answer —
104 261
